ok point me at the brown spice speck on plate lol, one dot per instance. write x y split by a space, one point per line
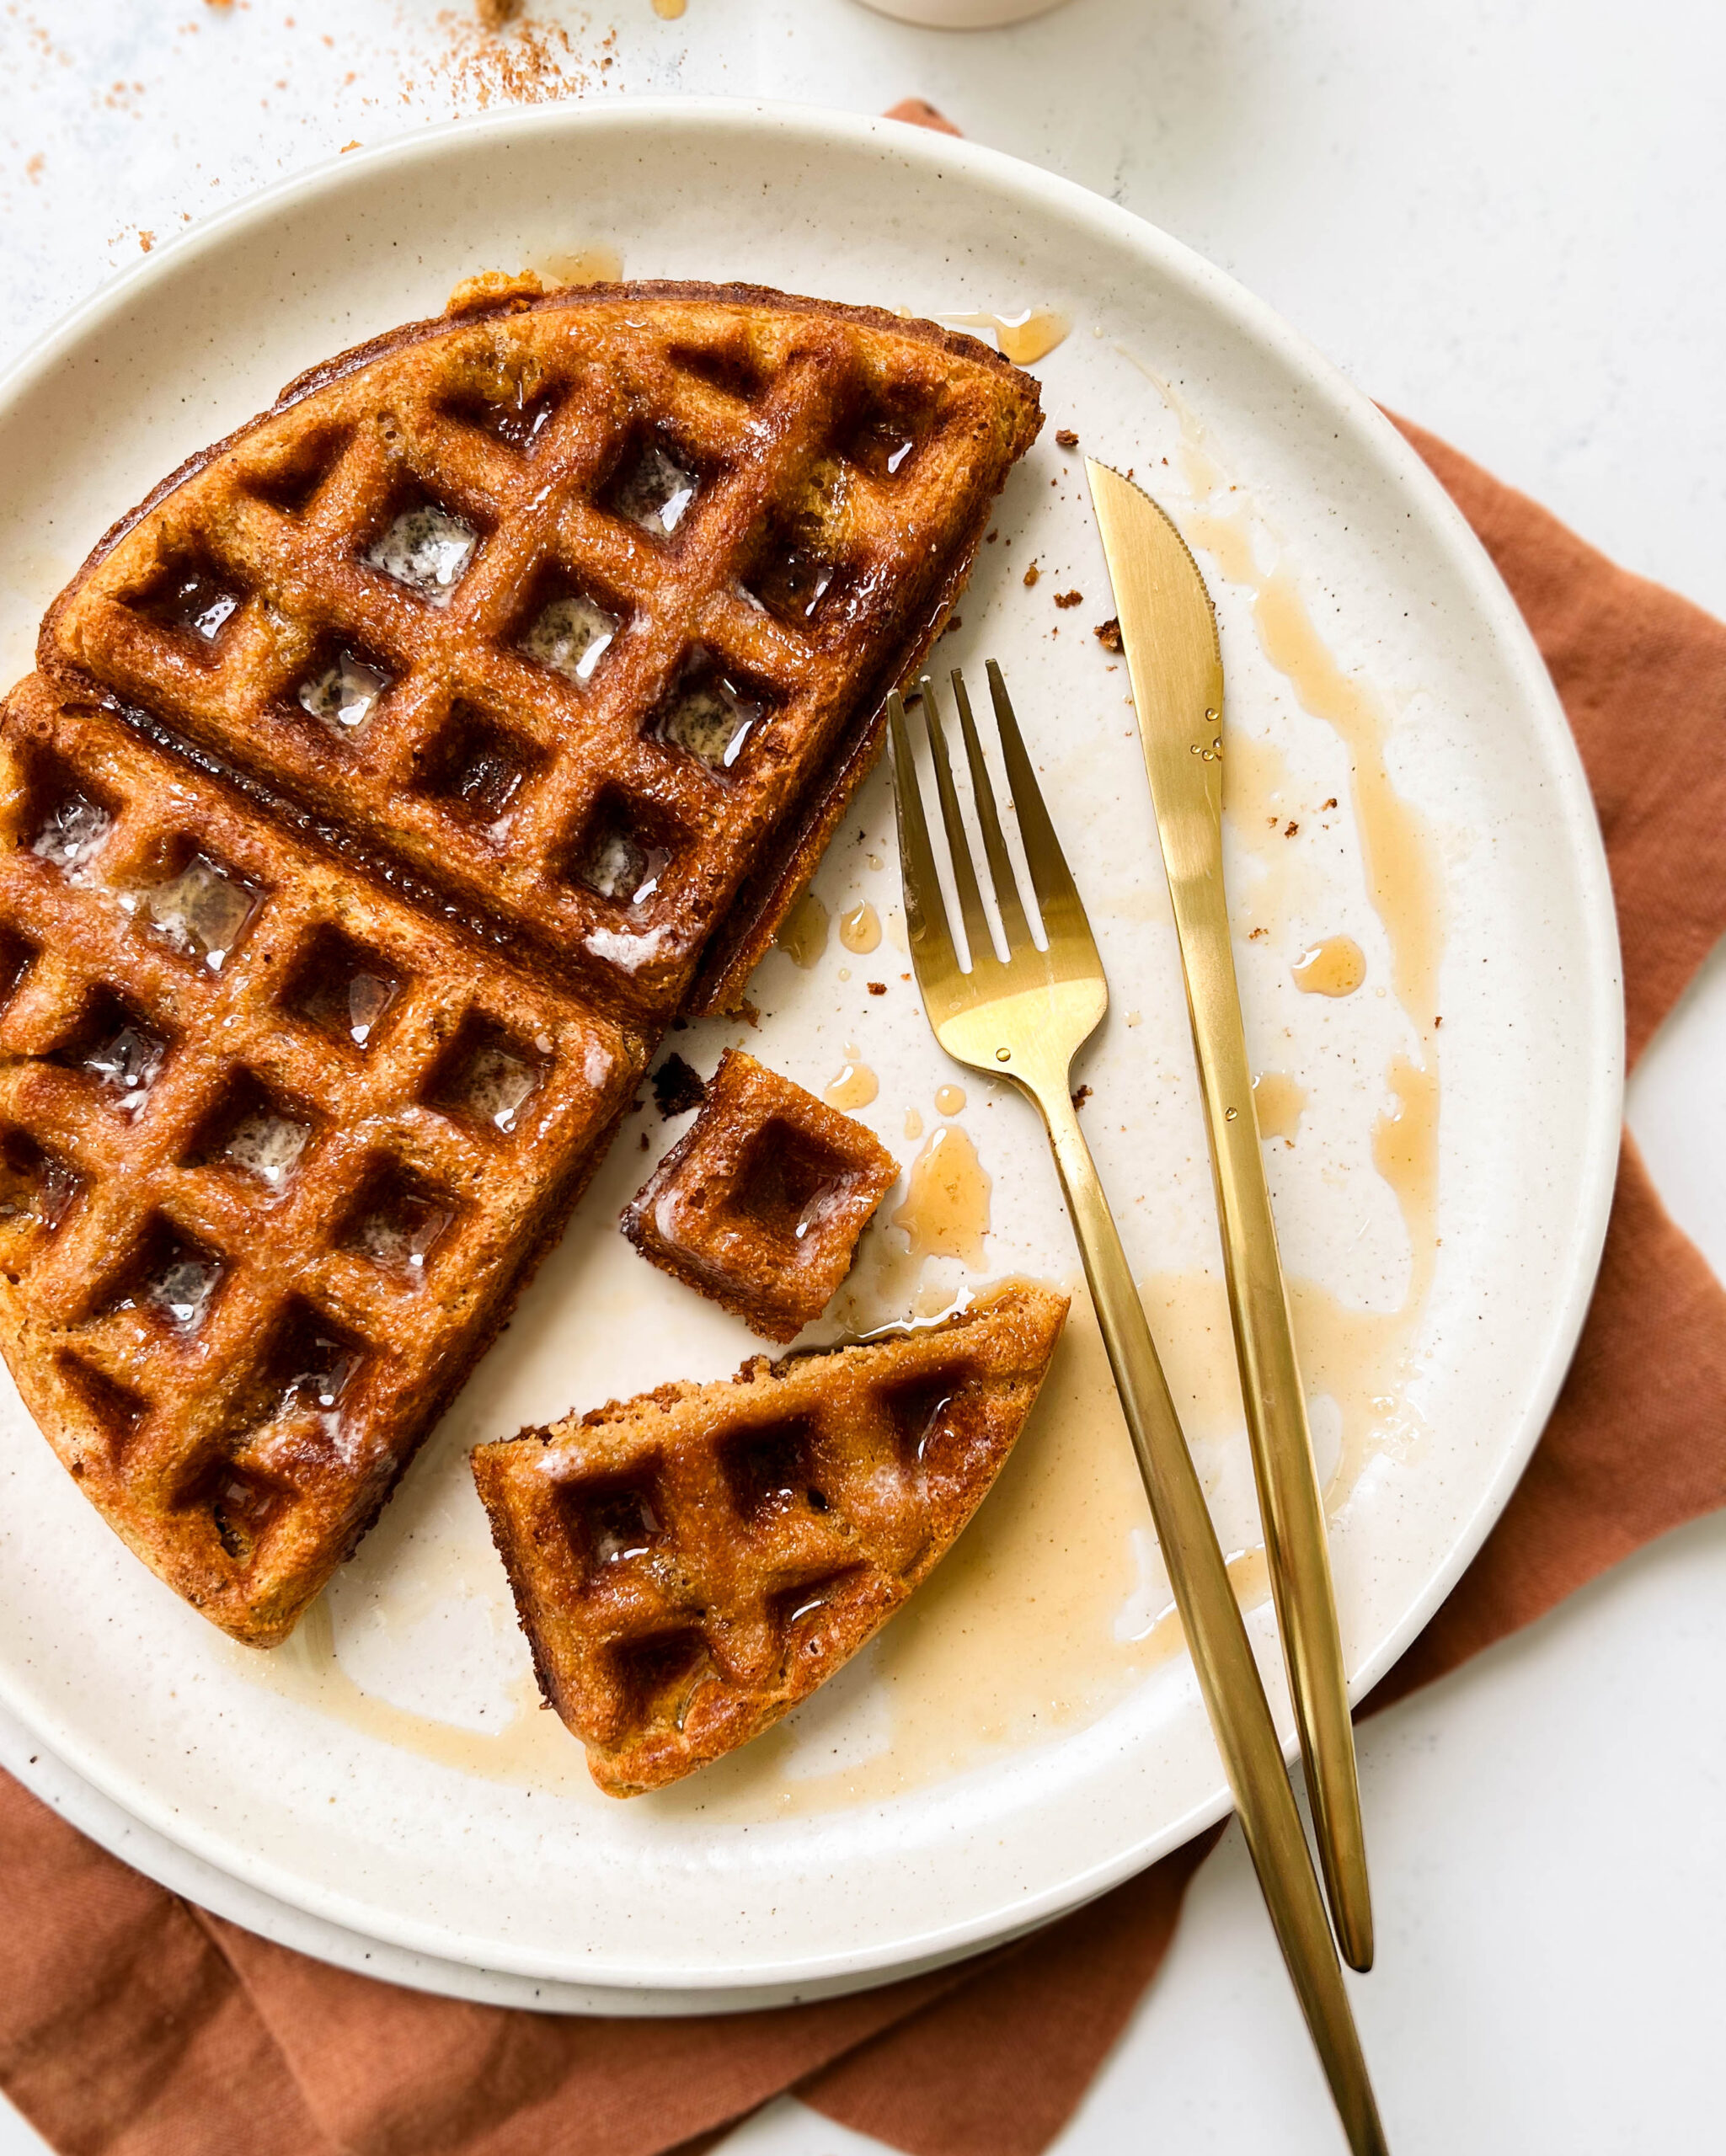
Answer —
1066 438
1107 633
1032 573
1069 598
878 988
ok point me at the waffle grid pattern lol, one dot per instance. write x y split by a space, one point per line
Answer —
528 646
824 481
260 1194
691 1564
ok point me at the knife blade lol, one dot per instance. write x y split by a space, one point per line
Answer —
1169 637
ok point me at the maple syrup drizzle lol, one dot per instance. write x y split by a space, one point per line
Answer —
1279 1103
945 1209
1395 842
802 933
860 930
1335 966
855 1086
528 1750
1049 1610
1024 338
1055 1606
596 265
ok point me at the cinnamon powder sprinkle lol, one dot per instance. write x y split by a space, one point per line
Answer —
511 59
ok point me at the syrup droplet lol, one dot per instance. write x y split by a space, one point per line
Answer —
945 1210
802 933
855 1086
1279 1101
1024 338
1335 966
584 265
860 930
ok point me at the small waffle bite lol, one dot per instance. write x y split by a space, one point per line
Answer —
690 1565
759 1204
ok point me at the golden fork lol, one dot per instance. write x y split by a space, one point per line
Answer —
1024 1017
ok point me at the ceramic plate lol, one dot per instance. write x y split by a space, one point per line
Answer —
1426 945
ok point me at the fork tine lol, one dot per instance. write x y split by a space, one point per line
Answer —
1007 893
916 856
959 845
1051 880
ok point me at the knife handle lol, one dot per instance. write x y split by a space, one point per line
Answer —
1210 1617
1290 1501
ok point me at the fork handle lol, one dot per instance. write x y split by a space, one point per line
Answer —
1222 1655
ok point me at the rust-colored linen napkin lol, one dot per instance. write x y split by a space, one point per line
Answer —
132 2024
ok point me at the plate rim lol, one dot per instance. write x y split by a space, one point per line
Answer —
1395 461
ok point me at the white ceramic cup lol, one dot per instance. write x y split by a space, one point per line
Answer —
962 14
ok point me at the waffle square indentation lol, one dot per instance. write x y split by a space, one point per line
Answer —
253 1131
398 1220
344 989
119 1049
486 1076
476 767
172 1278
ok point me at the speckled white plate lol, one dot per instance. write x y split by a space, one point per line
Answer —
378 1791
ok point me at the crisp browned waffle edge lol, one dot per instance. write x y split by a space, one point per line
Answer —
761 1152
244 1507
787 857
689 1565
268 808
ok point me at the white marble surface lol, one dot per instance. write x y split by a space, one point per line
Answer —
1495 214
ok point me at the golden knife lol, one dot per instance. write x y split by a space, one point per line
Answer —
1168 631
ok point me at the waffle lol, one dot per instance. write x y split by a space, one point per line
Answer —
277 1153
759 1204
690 1565
583 605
